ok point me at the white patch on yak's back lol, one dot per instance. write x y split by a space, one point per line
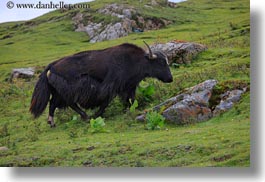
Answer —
48 73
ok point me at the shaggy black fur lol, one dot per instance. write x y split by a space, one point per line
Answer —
93 78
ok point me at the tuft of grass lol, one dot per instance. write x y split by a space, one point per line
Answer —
133 106
97 125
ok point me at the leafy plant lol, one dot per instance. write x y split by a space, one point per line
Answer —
146 90
97 125
133 106
74 118
154 120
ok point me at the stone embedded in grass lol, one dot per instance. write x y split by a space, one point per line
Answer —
90 148
193 105
140 117
227 101
24 73
4 148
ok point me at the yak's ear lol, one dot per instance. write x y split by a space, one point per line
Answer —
146 55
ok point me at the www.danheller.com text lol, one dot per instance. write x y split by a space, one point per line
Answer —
46 5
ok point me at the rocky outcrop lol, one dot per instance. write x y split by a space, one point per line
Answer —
172 4
118 10
24 73
128 20
193 105
180 52
98 33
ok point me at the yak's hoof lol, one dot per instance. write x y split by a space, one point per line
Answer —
52 124
85 118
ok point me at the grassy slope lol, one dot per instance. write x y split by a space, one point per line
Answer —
222 141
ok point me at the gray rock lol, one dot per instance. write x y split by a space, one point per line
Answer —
180 52
192 105
127 13
172 4
110 32
4 148
154 3
200 93
206 85
77 18
93 29
187 112
118 10
227 101
140 118
98 32
188 107
24 73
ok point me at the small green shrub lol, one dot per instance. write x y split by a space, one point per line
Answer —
133 106
97 125
145 91
154 120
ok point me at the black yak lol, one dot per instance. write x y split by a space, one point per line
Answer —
92 79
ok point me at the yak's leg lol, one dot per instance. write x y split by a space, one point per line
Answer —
51 112
128 97
101 109
83 115
131 96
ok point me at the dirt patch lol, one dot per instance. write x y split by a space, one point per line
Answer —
222 158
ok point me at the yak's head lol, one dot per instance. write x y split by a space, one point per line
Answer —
159 65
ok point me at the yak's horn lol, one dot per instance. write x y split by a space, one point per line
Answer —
151 55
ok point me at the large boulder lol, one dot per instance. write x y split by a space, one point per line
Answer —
180 52
193 105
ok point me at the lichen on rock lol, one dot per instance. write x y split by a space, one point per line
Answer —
180 52
193 105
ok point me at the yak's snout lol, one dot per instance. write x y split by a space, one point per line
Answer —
168 79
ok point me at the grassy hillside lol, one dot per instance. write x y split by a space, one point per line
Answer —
222 25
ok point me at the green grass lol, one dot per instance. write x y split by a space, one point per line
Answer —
223 26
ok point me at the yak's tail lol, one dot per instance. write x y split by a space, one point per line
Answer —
41 95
